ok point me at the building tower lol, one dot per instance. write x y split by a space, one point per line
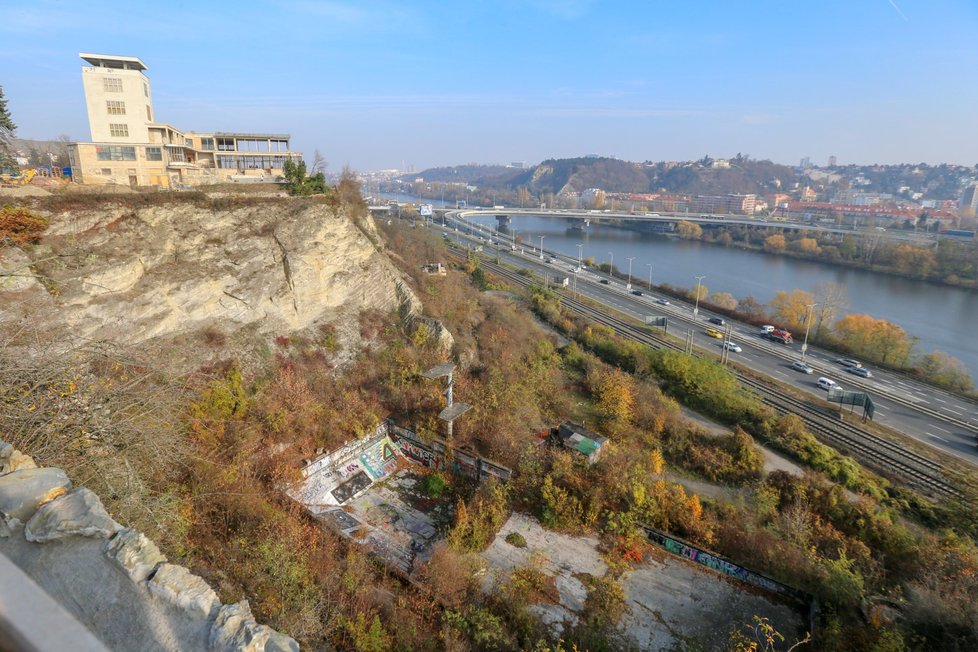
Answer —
118 98
833 161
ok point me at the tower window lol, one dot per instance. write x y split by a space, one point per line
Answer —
119 130
112 84
116 107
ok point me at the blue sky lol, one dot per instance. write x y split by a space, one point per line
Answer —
384 84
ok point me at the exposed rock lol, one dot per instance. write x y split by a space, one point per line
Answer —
24 490
78 513
141 274
15 271
235 629
134 554
181 588
12 459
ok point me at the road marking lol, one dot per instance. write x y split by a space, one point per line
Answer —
955 410
940 400
941 429
937 438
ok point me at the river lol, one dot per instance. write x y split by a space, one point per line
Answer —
942 318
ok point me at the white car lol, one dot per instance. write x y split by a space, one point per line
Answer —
662 302
767 329
826 383
732 346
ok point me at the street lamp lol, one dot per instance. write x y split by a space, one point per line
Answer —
628 285
541 246
580 256
808 325
696 308
651 269
611 265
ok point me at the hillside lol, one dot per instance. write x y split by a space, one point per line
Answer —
553 176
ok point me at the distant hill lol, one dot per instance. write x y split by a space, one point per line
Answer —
614 175
472 174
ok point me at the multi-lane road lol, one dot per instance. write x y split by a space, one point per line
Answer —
939 419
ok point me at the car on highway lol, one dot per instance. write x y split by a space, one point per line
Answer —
826 383
767 329
732 346
862 372
798 365
637 293
716 320
712 332
604 281
849 362
663 302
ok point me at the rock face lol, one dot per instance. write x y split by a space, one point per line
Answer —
132 275
113 580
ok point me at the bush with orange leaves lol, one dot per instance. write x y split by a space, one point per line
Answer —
19 226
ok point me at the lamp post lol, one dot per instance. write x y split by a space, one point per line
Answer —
696 308
580 255
651 269
611 265
541 246
808 325
628 285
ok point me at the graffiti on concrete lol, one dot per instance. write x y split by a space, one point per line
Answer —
343 520
380 458
351 487
710 560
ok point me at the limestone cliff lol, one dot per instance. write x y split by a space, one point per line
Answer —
130 275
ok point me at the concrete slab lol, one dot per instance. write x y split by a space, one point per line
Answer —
670 601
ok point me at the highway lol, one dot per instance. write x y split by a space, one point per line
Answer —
936 418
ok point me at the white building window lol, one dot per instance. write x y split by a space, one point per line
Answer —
116 107
112 84
154 153
119 130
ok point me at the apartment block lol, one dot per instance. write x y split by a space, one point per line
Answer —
128 146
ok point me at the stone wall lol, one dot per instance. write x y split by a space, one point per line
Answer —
114 580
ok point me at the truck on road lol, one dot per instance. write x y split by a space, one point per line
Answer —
778 335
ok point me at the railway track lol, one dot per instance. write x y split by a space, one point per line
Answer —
870 449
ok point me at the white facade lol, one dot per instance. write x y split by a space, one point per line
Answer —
118 98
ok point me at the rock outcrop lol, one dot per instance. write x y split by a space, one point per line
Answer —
276 267
113 580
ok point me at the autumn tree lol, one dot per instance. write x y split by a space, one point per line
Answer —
807 246
615 393
831 299
946 371
724 300
874 339
791 308
689 230
775 244
916 262
703 292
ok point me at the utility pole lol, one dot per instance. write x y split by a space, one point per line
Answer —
696 308
628 285
651 269
808 325
541 246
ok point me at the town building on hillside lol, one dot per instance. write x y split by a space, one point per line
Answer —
130 147
577 438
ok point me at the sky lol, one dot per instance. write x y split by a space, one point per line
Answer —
384 84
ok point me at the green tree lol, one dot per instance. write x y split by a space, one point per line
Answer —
7 129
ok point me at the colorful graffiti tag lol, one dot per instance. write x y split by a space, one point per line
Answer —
721 565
